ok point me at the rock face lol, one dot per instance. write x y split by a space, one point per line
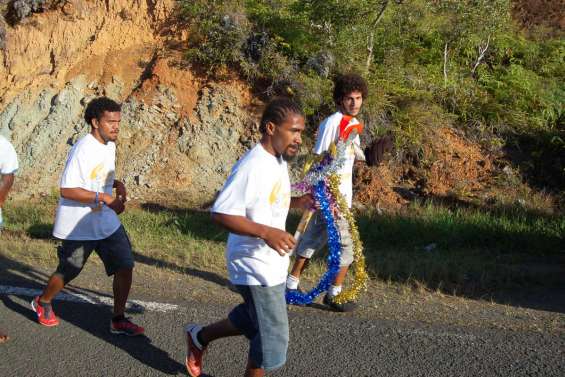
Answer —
179 134
163 153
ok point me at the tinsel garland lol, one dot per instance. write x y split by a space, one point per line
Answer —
360 274
322 180
322 197
322 166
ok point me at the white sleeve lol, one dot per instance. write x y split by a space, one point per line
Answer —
75 174
9 165
238 194
327 133
357 151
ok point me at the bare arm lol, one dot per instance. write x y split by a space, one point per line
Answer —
81 195
304 202
85 196
5 185
277 239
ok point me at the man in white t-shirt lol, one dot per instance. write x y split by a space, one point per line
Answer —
87 217
253 206
349 92
8 167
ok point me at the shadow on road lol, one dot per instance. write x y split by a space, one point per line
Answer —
94 319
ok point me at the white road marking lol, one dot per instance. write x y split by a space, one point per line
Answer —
133 305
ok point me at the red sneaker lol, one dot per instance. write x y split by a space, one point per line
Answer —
126 327
194 351
45 314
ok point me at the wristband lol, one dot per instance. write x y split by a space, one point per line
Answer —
96 200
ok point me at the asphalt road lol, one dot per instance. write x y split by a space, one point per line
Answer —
322 344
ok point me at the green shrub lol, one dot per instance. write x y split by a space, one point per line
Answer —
295 47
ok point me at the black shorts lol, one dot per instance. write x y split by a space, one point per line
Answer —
115 252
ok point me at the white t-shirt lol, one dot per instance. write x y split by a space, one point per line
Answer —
8 161
259 189
328 132
90 166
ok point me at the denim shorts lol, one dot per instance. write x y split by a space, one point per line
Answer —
316 236
263 319
115 252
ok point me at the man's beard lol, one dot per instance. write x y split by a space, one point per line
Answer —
107 138
289 157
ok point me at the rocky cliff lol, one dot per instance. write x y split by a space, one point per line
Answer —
179 133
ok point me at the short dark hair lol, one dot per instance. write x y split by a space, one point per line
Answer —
277 110
351 82
98 106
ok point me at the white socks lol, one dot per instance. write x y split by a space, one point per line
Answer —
334 290
292 282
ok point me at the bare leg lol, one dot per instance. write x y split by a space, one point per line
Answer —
253 371
54 286
220 329
122 286
300 263
340 277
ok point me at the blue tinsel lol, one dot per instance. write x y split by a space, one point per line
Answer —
322 196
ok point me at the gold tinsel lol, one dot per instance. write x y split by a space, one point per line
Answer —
360 274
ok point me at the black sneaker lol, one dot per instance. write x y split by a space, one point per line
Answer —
347 306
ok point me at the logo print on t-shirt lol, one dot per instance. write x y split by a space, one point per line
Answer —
97 172
277 199
99 177
275 192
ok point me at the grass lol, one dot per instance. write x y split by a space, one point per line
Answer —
166 237
469 249
463 250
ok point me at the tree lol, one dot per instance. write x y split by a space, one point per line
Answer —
469 24
353 21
